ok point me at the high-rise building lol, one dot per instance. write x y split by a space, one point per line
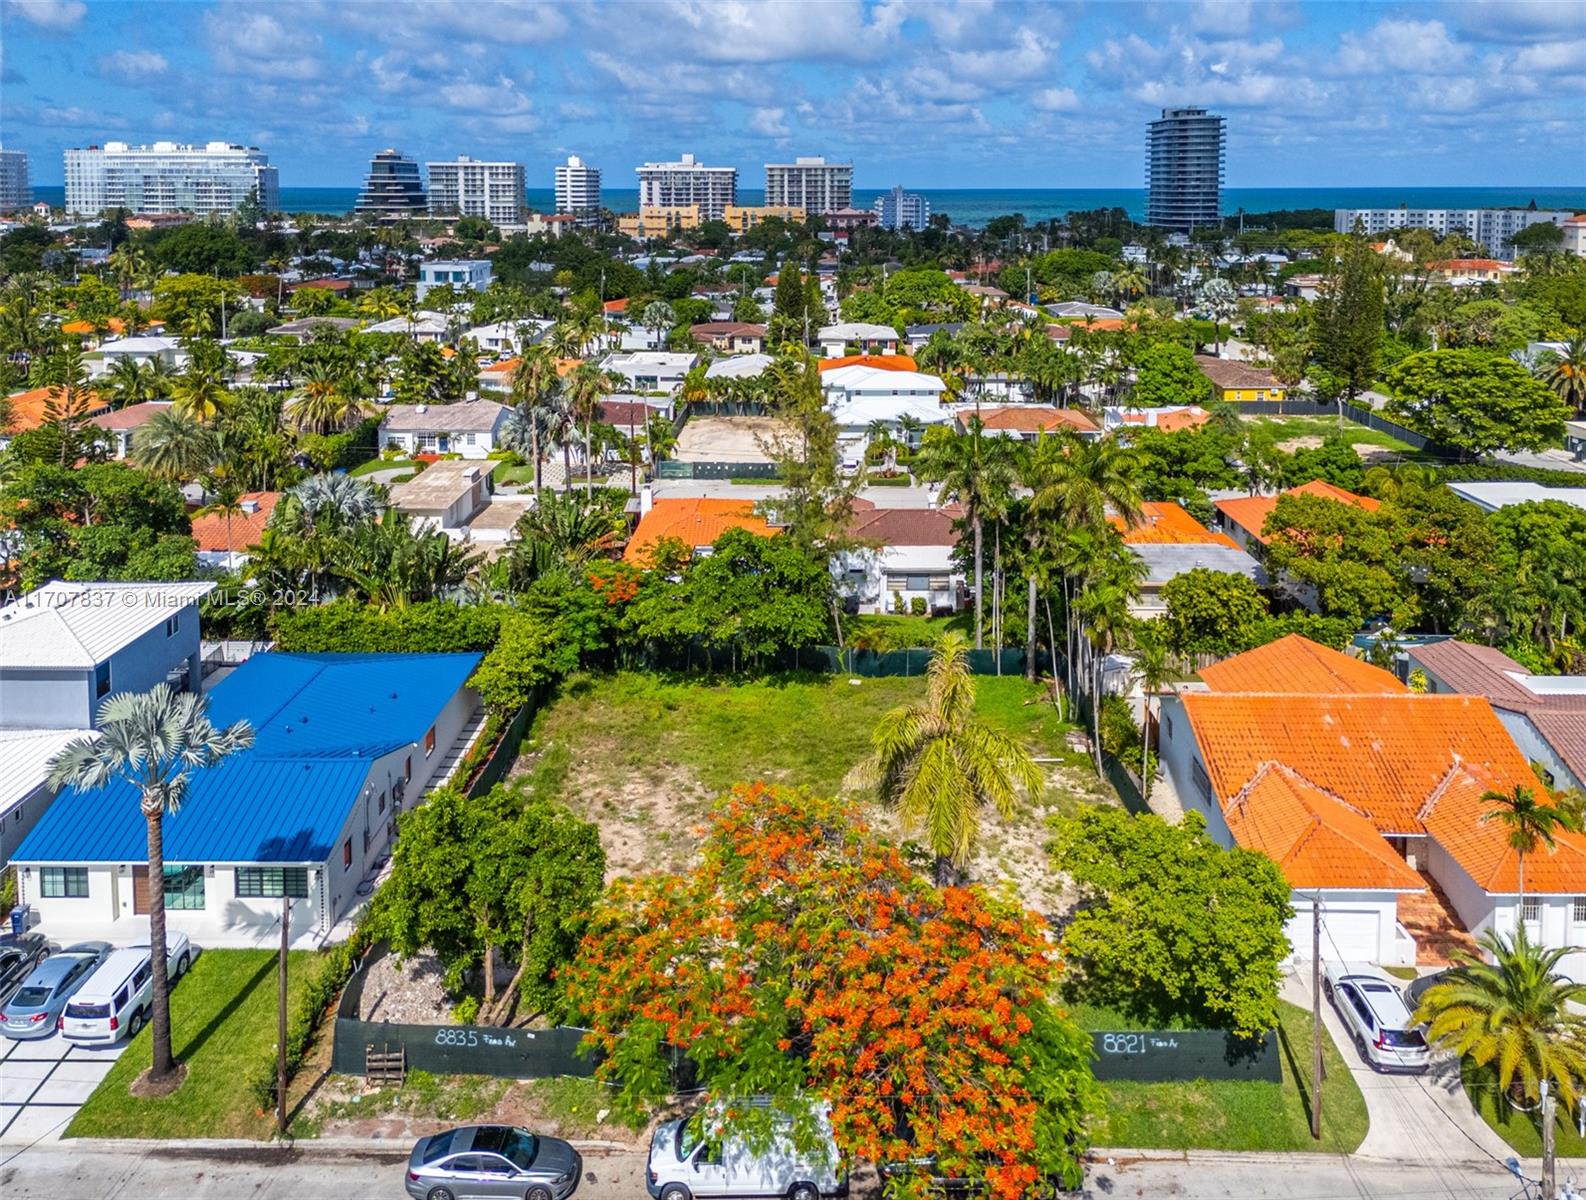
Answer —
812 184
898 209
393 191
469 188
685 182
578 190
166 178
1492 227
14 190
1184 169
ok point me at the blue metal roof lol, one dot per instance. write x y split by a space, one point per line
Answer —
319 720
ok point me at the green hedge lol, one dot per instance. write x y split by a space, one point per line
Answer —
434 627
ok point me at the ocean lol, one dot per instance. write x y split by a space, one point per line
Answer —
975 206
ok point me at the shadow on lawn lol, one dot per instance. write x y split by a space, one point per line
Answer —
196 1042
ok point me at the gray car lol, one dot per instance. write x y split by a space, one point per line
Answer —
34 1008
492 1160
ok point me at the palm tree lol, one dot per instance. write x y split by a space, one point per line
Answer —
1528 823
1565 373
939 766
225 501
587 386
154 741
129 382
562 532
1152 667
658 316
324 403
325 503
1218 298
532 382
1516 1013
173 446
200 392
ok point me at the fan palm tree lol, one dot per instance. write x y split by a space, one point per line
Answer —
154 741
1517 1014
940 766
173 446
658 316
1528 823
328 503
1565 373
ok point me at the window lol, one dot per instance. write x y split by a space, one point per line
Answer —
266 883
141 975
184 887
382 802
172 624
917 583
1579 910
101 681
407 770
1203 783
429 742
346 854
68 883
1531 910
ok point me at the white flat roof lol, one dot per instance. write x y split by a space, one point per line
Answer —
1495 494
75 626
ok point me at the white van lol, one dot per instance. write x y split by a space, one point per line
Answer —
116 1000
684 1164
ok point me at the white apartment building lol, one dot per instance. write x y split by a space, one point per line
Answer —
464 274
15 193
470 188
812 184
685 182
898 209
1575 236
578 190
167 177
1492 227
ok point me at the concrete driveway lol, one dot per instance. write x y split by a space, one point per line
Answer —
1422 1120
43 1083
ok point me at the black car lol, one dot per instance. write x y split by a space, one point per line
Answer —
19 954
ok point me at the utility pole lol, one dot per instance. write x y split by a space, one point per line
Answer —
280 1061
1549 1179
1316 1017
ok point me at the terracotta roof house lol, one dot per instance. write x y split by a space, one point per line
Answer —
907 560
30 409
1244 517
696 521
224 542
730 337
122 424
1170 418
1171 542
1233 381
1545 714
880 362
1027 422
1299 750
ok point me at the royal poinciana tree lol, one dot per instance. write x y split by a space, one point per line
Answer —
803 957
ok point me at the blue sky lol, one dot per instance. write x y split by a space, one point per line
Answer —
930 93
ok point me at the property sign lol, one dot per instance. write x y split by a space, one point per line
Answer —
1172 1055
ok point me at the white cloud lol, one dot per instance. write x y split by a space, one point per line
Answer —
769 122
55 15
133 65
1056 100
753 31
252 42
1549 58
1418 47
1028 55
500 98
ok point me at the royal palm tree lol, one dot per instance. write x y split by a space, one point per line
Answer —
1517 1014
940 766
1527 823
532 381
173 446
1152 667
587 387
1565 373
153 741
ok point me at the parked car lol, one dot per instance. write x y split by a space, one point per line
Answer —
492 1160
19 954
117 999
1417 988
1375 1014
34 1009
685 1163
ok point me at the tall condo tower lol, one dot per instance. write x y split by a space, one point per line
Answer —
685 182
1184 169
812 184
393 191
470 188
168 177
578 190
14 190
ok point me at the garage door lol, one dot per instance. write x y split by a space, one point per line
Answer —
1351 935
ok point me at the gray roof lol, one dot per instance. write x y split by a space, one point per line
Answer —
79 625
313 325
476 416
1165 562
440 484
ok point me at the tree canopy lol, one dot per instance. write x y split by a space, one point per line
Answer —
1476 402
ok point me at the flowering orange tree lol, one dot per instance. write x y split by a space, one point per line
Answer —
804 957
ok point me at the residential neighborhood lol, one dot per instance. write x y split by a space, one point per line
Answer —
534 665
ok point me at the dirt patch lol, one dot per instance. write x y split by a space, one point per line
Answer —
1371 452
410 994
1308 442
727 439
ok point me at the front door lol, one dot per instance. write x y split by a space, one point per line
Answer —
140 890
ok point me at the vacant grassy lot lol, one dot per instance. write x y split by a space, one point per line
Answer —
223 1023
1231 1115
643 756
1362 437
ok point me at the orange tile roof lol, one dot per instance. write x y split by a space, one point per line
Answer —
209 530
1386 756
1455 819
1316 839
696 521
881 362
615 306
1188 418
27 408
1298 665
1250 513
1164 523
113 325
1030 418
506 366
1469 264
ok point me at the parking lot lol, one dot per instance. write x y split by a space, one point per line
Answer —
43 1083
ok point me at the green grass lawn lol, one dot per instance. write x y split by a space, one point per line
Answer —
518 475
1323 426
223 1023
1235 1115
386 464
1522 1130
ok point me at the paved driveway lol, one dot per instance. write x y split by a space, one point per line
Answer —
44 1083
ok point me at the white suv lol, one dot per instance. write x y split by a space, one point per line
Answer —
1374 1012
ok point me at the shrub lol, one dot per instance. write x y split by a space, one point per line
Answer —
432 627
917 606
897 603
466 1010
523 658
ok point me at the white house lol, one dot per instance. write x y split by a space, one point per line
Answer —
423 326
859 396
470 428
140 350
869 337
507 337
739 366
1302 753
342 744
1490 496
651 370
908 556
464 274
446 495
122 424
63 649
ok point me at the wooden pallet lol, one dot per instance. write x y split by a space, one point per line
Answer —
382 1065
